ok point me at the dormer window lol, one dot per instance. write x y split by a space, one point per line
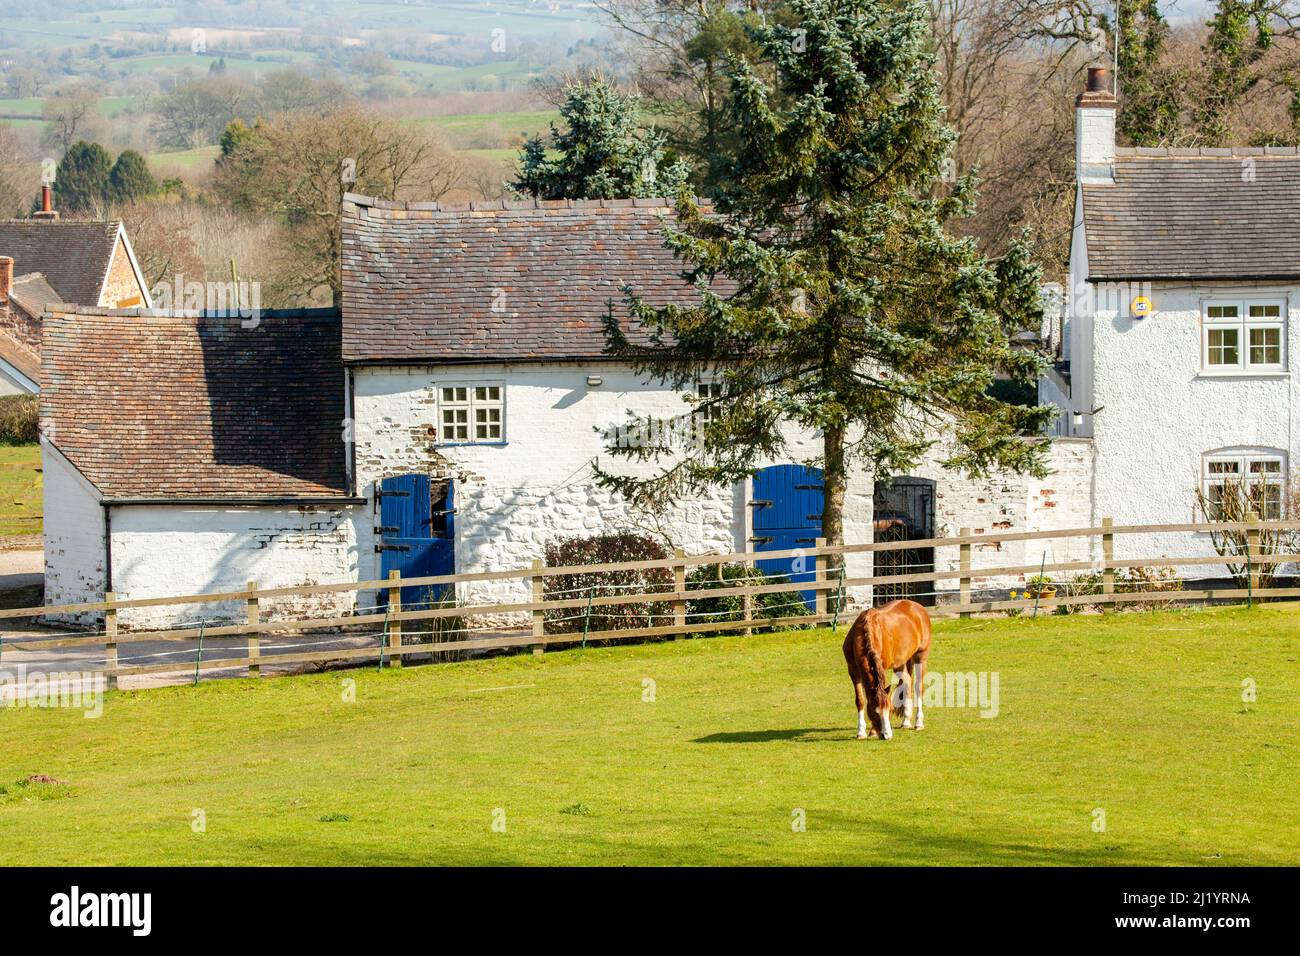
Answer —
1244 336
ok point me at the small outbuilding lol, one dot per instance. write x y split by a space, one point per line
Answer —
193 453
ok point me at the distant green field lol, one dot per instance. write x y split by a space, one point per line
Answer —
271 60
468 18
498 155
470 129
29 107
183 161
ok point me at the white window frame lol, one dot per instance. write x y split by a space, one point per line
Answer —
1244 324
1251 467
706 390
477 400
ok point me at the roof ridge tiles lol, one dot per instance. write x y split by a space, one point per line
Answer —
1202 152
381 206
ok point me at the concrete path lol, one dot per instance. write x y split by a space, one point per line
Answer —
21 569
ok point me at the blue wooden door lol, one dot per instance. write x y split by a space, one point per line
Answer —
787 506
417 535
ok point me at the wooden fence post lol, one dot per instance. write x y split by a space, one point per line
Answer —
539 616
1252 553
253 614
1107 557
747 599
819 599
963 565
395 627
679 585
110 640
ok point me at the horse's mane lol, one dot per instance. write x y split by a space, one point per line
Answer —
876 669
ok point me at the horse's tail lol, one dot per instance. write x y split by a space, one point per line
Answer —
879 689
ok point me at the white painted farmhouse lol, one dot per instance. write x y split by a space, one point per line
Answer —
1176 356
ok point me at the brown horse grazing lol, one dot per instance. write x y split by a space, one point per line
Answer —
893 637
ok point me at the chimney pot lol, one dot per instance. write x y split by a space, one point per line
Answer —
6 278
1094 129
47 204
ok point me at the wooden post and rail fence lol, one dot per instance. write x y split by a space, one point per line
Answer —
828 588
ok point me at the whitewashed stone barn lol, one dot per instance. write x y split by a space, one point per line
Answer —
447 423
1184 297
474 343
186 454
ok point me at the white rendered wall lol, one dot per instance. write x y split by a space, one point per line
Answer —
1162 413
178 549
74 535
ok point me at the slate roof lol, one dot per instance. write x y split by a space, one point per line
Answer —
149 405
503 281
1196 214
73 255
33 293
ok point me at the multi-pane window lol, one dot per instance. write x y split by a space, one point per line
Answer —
1244 336
706 392
1253 479
471 413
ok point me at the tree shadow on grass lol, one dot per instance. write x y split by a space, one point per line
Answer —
802 734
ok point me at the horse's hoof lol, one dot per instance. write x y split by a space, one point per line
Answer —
888 736
862 736
920 725
907 725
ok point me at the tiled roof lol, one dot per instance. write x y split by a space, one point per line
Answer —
148 405
1196 214
512 281
14 351
72 255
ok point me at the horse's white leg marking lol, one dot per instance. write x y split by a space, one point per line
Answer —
862 725
885 730
909 691
919 681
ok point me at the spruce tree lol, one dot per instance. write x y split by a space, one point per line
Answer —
130 178
602 152
81 180
833 300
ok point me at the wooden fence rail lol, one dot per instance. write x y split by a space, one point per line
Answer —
827 586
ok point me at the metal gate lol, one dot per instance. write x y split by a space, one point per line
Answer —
904 511
417 534
787 508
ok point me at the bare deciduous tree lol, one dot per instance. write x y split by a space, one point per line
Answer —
70 116
298 168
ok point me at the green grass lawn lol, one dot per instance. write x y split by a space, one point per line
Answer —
1139 715
20 490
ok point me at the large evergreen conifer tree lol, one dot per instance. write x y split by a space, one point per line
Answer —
833 300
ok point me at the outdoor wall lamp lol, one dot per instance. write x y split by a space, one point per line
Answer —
1077 418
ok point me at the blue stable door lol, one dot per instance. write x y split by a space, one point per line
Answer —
787 506
417 535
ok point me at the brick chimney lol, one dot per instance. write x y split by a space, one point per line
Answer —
1094 129
47 205
6 279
